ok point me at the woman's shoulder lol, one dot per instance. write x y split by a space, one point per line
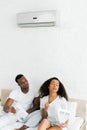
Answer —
44 98
62 99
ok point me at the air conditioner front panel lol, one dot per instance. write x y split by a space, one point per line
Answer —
46 18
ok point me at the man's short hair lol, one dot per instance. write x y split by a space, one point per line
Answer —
18 77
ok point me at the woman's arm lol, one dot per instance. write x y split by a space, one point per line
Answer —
44 111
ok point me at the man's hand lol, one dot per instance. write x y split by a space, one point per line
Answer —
8 106
9 109
12 109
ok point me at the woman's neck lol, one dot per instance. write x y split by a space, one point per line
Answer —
52 97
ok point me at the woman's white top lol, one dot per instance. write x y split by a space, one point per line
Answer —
53 109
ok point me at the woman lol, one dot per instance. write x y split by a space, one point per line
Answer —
53 98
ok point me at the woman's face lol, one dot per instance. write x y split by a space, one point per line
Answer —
54 86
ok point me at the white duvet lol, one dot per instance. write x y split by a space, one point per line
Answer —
76 125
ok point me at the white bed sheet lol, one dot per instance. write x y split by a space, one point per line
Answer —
75 126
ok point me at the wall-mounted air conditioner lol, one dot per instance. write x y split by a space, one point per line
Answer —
37 18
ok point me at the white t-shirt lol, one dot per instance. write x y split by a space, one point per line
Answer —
54 107
24 100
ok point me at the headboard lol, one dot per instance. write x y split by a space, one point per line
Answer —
81 107
4 94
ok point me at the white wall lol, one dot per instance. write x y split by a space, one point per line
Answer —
41 53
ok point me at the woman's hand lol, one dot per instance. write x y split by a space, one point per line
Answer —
44 111
63 125
46 106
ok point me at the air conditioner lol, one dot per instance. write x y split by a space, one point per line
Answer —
37 18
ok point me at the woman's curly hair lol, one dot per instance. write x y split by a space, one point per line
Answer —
44 89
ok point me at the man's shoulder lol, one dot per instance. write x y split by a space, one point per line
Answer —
14 91
31 91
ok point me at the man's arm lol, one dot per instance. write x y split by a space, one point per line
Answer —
8 106
36 105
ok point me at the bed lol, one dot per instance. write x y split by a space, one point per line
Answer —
79 122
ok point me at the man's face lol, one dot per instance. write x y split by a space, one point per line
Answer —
23 82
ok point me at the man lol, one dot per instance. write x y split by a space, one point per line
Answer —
21 106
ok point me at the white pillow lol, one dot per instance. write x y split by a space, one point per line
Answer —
72 107
76 125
